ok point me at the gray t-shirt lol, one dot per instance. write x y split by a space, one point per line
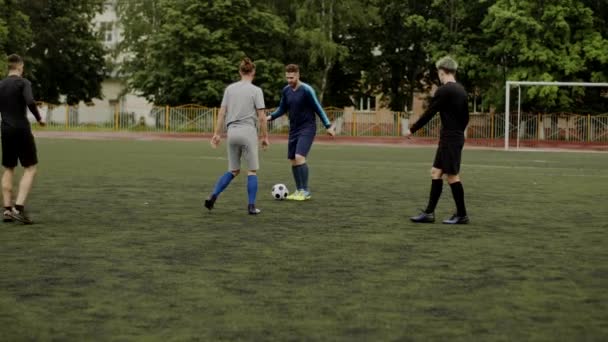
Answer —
241 100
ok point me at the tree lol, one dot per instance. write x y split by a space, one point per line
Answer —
402 52
460 36
15 32
194 50
322 25
67 57
543 41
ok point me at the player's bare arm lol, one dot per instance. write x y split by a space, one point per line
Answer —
215 140
263 128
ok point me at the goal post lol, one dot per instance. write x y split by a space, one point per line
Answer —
519 85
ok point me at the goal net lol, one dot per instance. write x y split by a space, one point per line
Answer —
533 129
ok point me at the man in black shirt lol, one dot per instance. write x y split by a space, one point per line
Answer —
17 139
451 101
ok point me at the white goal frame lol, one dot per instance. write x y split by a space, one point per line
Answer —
519 84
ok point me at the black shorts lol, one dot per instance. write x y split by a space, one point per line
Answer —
448 156
18 145
299 143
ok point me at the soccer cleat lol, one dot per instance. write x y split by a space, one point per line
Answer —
7 216
423 217
455 219
210 202
252 210
294 196
303 195
20 216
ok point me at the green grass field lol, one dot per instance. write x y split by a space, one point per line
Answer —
122 249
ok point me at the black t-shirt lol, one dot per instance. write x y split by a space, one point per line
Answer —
451 101
15 96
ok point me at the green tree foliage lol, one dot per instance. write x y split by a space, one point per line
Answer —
322 26
461 37
543 41
181 51
194 48
15 32
67 54
401 53
63 54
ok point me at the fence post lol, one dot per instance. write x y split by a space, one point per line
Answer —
588 127
214 126
492 134
116 117
67 116
398 118
167 118
354 126
538 124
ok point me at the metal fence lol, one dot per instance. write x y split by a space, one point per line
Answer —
487 129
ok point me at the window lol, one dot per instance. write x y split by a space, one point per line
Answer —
108 6
107 30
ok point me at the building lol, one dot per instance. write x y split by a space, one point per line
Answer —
116 102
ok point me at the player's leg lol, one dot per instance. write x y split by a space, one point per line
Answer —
453 171
25 185
291 155
29 160
253 163
7 193
9 161
428 215
302 149
460 217
252 191
221 185
234 151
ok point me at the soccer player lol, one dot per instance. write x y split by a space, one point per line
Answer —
17 140
300 100
450 100
242 107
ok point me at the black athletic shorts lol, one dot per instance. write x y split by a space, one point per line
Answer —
448 156
299 143
18 145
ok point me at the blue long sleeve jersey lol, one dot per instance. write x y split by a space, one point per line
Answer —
302 104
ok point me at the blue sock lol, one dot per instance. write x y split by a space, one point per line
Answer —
222 183
304 176
296 176
252 188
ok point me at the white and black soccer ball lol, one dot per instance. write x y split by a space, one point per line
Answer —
279 192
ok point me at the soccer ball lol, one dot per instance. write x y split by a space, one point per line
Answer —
279 192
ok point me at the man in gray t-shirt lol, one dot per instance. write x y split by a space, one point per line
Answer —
242 108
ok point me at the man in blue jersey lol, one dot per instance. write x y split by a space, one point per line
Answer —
300 100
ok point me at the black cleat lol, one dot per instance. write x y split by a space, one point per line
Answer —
423 218
20 216
252 210
455 219
7 216
210 202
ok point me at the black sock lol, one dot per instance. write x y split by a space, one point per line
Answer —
304 176
436 188
458 193
19 208
8 208
297 176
